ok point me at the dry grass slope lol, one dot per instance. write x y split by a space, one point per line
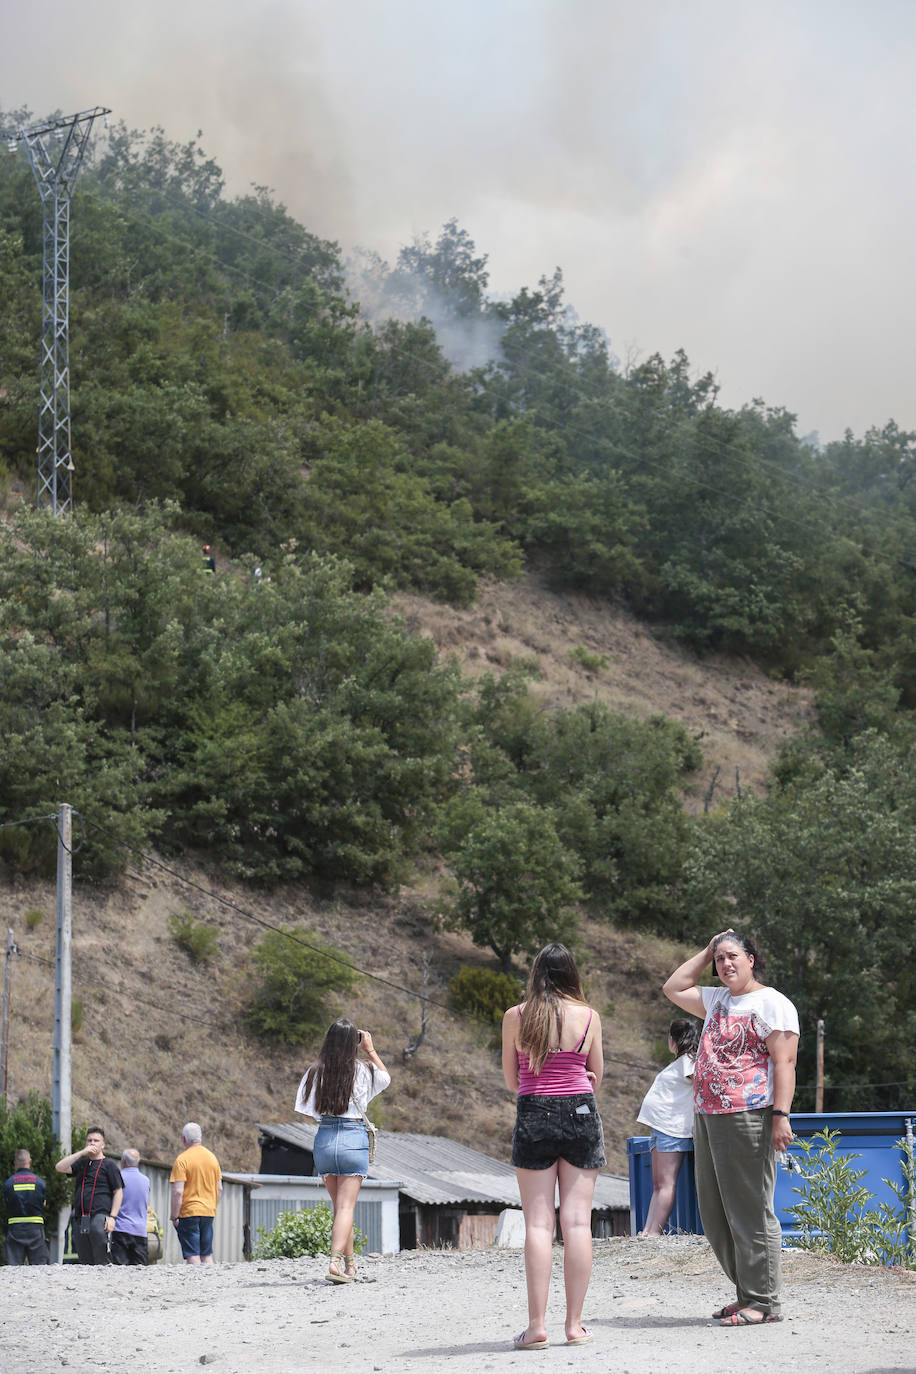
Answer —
160 1042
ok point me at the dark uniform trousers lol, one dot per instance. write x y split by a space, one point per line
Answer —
24 1196
26 1243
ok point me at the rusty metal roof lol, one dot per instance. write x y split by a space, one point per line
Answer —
434 1169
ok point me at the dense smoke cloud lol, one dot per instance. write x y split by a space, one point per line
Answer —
734 179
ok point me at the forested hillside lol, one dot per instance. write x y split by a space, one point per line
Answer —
278 717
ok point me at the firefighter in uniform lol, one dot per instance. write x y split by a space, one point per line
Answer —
24 1194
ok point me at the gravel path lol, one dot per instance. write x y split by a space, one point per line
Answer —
649 1306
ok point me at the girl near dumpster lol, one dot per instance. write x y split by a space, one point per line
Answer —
335 1091
667 1109
553 1059
743 1086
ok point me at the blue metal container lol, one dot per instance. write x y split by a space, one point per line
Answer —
873 1136
686 1214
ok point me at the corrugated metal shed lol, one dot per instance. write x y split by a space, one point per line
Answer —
438 1171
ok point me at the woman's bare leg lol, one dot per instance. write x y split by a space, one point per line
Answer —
666 1166
538 1193
577 1190
343 1190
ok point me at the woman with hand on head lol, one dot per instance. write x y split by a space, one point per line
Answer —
553 1060
335 1091
744 1082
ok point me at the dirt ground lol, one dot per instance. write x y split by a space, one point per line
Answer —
649 1306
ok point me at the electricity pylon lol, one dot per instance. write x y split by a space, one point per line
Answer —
55 150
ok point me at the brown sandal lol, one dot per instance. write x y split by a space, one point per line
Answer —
339 1275
742 1319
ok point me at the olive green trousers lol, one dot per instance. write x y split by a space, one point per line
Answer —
735 1167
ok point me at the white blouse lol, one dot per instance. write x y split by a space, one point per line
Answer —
668 1105
365 1087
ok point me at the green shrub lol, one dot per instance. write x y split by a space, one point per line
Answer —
484 993
76 1015
834 1216
196 938
306 1232
593 663
27 1125
33 918
293 982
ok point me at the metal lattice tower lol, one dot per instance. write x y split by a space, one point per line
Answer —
55 151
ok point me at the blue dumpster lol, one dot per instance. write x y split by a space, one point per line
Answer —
686 1214
873 1136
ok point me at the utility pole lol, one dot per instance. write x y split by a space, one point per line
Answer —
11 949
55 150
60 1088
819 1082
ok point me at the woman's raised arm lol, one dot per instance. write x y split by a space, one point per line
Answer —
681 988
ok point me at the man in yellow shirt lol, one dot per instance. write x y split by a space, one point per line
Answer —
197 1183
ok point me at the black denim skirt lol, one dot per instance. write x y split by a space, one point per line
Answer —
552 1128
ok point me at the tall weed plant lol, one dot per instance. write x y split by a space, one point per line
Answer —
836 1215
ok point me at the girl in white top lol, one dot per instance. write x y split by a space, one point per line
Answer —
335 1091
667 1109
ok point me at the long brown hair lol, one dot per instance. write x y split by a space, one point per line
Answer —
334 1070
554 979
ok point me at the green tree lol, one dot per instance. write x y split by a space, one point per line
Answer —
27 1125
295 977
824 870
516 882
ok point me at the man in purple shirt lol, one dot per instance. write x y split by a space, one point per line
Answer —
129 1239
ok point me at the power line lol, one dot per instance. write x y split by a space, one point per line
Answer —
133 996
299 940
624 1063
30 820
840 1087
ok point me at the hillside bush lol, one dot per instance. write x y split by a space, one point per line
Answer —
304 1232
483 992
294 981
196 938
591 662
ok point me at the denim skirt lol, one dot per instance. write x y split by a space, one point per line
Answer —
670 1144
552 1128
341 1146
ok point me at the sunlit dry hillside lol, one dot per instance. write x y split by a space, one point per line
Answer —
159 1043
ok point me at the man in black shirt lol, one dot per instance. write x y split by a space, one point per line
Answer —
97 1192
24 1194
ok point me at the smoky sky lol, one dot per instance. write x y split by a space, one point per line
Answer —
725 176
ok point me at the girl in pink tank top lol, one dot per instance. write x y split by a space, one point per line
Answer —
553 1061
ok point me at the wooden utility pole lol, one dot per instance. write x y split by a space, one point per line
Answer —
5 1017
819 1089
60 1089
